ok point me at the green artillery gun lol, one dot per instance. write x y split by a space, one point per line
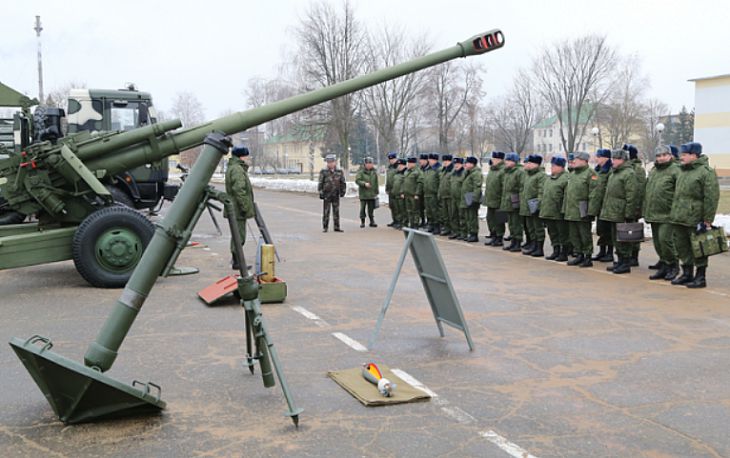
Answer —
79 392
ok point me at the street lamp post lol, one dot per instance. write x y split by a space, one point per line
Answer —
660 130
596 132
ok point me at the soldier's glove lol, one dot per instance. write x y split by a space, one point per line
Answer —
321 195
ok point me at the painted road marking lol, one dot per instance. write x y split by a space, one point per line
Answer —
350 342
501 442
311 316
452 411
412 381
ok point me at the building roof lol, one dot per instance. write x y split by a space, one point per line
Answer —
726 75
582 119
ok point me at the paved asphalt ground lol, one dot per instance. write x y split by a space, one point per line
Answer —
568 361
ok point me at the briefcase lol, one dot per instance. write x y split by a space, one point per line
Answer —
583 208
630 232
533 205
709 243
377 202
469 199
515 199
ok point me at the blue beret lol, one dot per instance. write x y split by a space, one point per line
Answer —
633 152
691 148
557 160
534 158
447 157
514 157
434 156
240 151
458 160
412 159
603 152
392 155
423 156
472 160
497 155
674 150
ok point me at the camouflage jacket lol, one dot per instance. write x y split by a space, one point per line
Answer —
332 184
445 183
389 176
413 182
238 187
431 176
364 177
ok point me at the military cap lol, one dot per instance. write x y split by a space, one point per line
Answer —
633 152
458 160
691 148
240 151
330 158
447 157
434 156
514 157
571 156
603 152
619 154
368 160
392 155
497 155
662 149
472 160
534 158
412 159
423 156
401 161
557 160
674 150
581 155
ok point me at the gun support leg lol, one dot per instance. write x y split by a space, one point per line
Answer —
103 351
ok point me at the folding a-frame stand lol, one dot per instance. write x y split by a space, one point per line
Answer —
436 283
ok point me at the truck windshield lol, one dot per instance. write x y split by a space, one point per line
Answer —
125 118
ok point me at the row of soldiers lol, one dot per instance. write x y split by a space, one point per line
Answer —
679 196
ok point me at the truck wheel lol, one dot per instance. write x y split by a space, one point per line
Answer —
109 243
9 216
120 197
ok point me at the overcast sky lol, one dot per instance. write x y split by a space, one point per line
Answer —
213 47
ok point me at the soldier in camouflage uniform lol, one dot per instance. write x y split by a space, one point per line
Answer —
551 208
514 177
412 192
638 167
493 197
398 204
367 190
238 188
603 228
531 191
458 224
576 203
696 197
621 204
431 176
389 175
332 186
422 165
472 187
444 194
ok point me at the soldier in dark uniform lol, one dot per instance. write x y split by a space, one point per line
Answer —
332 186
493 198
431 176
551 208
458 224
696 197
444 195
638 167
238 188
603 228
389 175
621 204
367 190
398 203
422 165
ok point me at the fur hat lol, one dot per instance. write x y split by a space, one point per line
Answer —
423 157
604 152
535 159
514 157
619 154
497 155
392 155
472 160
240 151
633 152
581 155
433 156
557 160
447 157
412 159
458 160
691 148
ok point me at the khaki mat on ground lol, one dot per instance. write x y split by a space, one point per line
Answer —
367 393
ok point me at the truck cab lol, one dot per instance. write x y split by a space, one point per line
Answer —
122 110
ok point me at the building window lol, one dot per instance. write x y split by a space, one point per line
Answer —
551 133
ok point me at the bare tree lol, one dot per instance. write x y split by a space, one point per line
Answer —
623 114
515 115
187 108
448 89
654 112
331 51
573 78
387 105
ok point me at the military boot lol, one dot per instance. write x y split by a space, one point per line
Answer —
538 251
623 266
656 266
555 254
454 236
444 232
661 271
699 280
337 229
578 260
608 257
472 238
634 260
362 222
372 223
562 255
324 229
234 262
516 247
528 248
498 241
688 274
672 271
507 238
436 229
587 262
601 253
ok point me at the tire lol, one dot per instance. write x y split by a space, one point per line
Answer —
109 243
120 197
9 216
